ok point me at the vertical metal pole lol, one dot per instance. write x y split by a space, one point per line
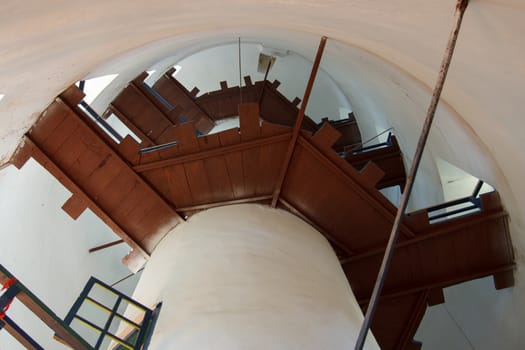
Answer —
298 122
385 265
240 72
264 82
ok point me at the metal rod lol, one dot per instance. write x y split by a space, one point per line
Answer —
478 187
375 137
107 245
385 265
298 122
264 82
101 121
240 72
126 277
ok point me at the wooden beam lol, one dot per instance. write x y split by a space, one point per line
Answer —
298 122
442 284
211 153
146 141
47 163
153 101
92 128
107 245
230 202
325 233
416 315
355 183
422 237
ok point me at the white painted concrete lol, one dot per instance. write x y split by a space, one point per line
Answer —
48 251
206 68
249 277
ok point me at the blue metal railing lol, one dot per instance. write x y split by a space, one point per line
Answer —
141 331
104 124
158 96
387 143
474 200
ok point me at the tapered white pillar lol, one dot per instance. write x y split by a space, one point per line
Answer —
249 277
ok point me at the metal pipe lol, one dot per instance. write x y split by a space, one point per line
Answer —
240 73
375 137
264 82
385 265
107 245
299 122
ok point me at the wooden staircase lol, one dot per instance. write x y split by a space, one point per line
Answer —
142 195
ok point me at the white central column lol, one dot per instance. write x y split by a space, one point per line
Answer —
249 277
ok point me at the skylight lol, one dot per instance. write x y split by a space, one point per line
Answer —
177 70
93 87
150 80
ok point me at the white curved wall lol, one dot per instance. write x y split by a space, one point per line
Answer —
249 277
383 54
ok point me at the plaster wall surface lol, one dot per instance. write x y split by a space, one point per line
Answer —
48 251
249 277
384 55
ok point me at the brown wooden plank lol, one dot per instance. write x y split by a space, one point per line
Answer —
249 121
439 259
504 279
271 157
180 192
372 174
207 142
229 137
219 179
186 138
170 152
66 156
144 138
21 155
47 163
49 121
435 297
334 203
133 199
163 222
236 172
197 179
129 149
141 112
397 320
134 217
177 95
60 135
389 159
168 135
251 171
232 148
269 129
75 206
326 136
334 241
